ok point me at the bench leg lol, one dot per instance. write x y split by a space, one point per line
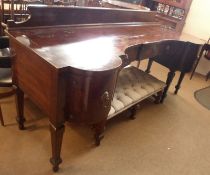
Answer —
133 111
158 97
99 131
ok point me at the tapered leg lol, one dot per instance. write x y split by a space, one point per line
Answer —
99 131
149 65
177 87
56 141
170 77
1 117
20 108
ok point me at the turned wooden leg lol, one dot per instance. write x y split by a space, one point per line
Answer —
56 141
20 108
149 65
1 117
170 77
177 87
158 97
99 132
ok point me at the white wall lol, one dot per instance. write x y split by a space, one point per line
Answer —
198 26
198 19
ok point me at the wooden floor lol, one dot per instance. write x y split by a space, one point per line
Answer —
166 139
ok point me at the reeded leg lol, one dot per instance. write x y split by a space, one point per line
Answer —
158 97
177 87
56 141
149 65
20 108
170 77
1 117
99 132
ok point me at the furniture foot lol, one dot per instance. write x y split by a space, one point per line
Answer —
20 122
99 132
55 164
98 139
170 77
20 108
56 141
158 97
133 111
177 87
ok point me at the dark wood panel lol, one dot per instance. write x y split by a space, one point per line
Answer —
47 16
34 76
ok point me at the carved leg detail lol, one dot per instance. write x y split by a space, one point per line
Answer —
158 97
20 108
177 87
56 141
99 132
170 77
149 66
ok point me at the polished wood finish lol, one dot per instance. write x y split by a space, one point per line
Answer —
124 5
81 15
69 66
173 54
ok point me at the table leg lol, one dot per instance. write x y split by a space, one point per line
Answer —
56 141
99 131
170 77
149 65
177 87
20 108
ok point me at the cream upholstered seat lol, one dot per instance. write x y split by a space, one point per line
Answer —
133 86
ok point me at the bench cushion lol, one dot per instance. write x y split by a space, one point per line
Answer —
133 85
